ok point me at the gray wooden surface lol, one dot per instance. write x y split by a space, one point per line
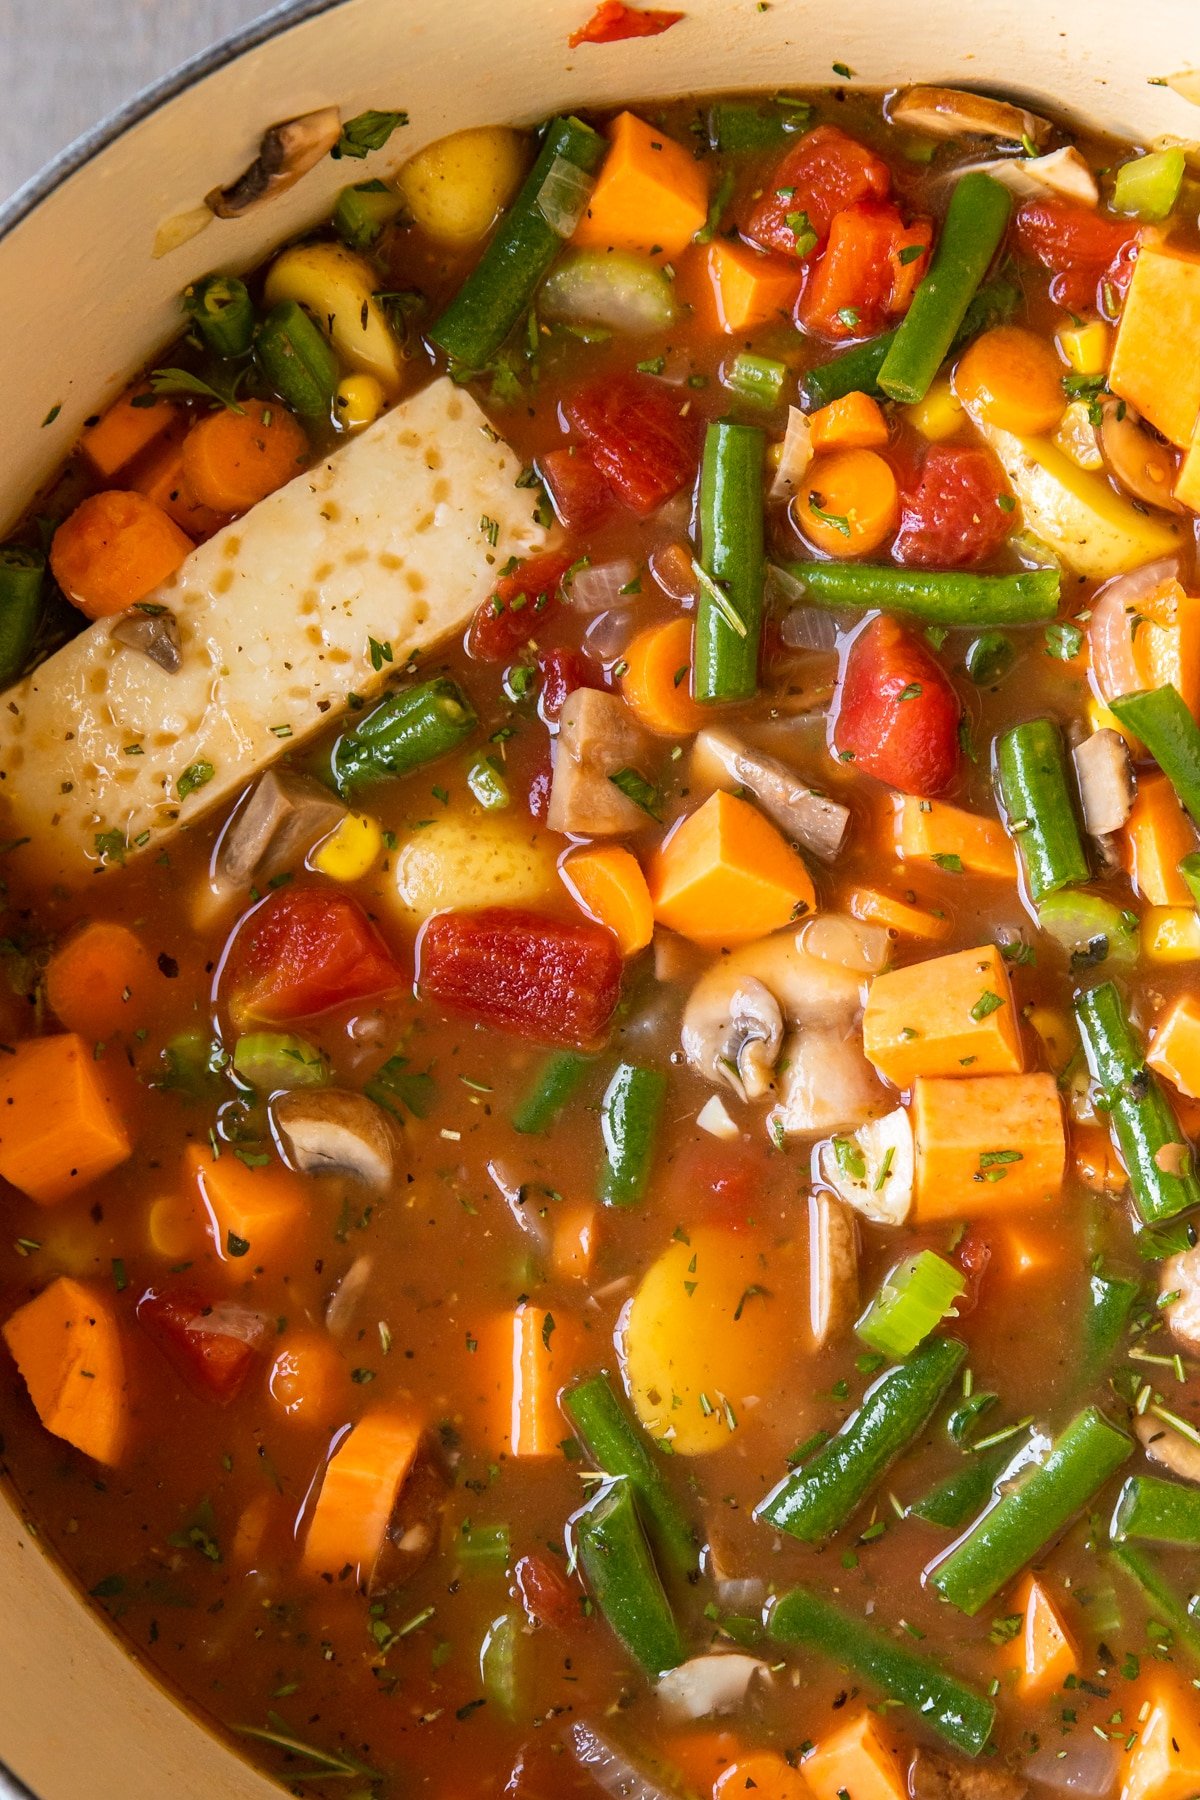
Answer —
64 64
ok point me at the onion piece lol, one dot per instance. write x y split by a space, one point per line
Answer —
716 1683
612 288
795 455
1081 1764
1110 629
339 1312
808 628
1064 173
883 1192
594 586
610 1769
563 196
608 634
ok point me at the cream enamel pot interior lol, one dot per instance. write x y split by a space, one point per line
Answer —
84 301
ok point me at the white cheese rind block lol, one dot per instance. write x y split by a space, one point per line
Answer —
388 539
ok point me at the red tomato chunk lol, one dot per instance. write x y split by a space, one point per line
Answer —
820 176
562 672
613 20
546 1594
1078 245
578 491
307 950
645 444
519 606
897 713
954 517
534 976
212 1345
863 278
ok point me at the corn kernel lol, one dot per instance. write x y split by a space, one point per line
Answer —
1101 718
359 400
172 1227
1076 436
1058 1035
1171 934
351 851
939 415
1085 347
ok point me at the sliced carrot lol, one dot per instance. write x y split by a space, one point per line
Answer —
609 885
230 461
1166 642
540 1346
761 1775
159 476
60 1122
725 876
852 422
848 503
749 287
856 1760
991 1144
657 682
1164 1763
1045 1653
1158 834
98 980
131 424
650 195
700 1756
358 1494
113 550
951 1016
1013 379
1175 1052
931 831
573 1240
309 1380
874 907
67 1345
253 1214
1095 1161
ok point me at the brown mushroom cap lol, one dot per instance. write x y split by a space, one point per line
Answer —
1144 467
956 112
325 1131
287 151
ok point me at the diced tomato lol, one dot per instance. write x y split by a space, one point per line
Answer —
822 174
578 491
953 517
909 258
212 1345
725 1183
306 950
860 279
643 435
562 671
1078 245
516 608
546 1594
539 790
897 713
538 977
613 20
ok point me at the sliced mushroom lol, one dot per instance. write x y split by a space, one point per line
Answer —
1168 1447
332 1131
344 1300
734 1032
152 630
1180 1276
1063 173
280 822
1106 784
833 1290
955 112
706 1685
935 1775
287 151
598 738
1143 467
826 1083
816 823
878 1181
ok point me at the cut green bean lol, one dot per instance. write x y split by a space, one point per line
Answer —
629 1115
962 1494
975 222
815 1500
1154 1511
1010 1533
1109 1303
297 360
556 1082
1031 767
222 311
363 210
547 209
499 1664
618 1447
1160 717
756 378
22 579
1143 1125
1171 1611
612 1551
407 729
730 607
483 1549
735 125
940 1700
936 596
857 370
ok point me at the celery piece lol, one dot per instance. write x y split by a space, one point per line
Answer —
1148 187
913 1299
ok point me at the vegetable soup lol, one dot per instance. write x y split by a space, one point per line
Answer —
599 777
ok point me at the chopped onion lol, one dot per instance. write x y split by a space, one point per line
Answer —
594 586
611 1769
563 196
1110 629
1186 83
602 287
227 1319
808 628
716 1683
608 634
339 1313
745 1594
517 1196
795 455
714 1118
1082 1764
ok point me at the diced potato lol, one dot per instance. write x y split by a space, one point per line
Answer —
339 289
467 863
1076 436
455 188
1056 1033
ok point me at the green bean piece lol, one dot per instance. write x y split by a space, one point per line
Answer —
1109 1303
936 596
222 311
22 579
989 658
406 730
483 1549
815 1500
1160 717
1141 1120
556 1083
940 1700
758 379
1189 868
1031 766
619 1569
1154 1511
1010 1533
297 360
363 210
499 289
730 608
735 125
962 1493
1170 1608
975 222
629 1115
618 1447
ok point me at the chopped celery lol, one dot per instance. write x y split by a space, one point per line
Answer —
487 784
362 212
192 1063
268 1060
1148 187
1090 929
608 287
758 378
498 1664
483 1549
913 1299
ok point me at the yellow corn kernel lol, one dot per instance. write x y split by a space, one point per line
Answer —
359 401
171 1227
1100 718
1076 437
1057 1034
939 415
351 851
1085 347
1171 934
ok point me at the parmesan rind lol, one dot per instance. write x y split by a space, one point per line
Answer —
376 554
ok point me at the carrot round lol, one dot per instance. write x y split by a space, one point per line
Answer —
608 883
1013 380
657 682
848 503
308 1380
231 460
113 550
98 980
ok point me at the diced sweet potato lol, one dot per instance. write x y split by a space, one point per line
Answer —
1165 1761
1154 365
951 1016
67 1345
952 838
60 1125
725 876
856 1760
1158 834
1175 1052
253 1213
1045 1650
650 195
749 286
992 1143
